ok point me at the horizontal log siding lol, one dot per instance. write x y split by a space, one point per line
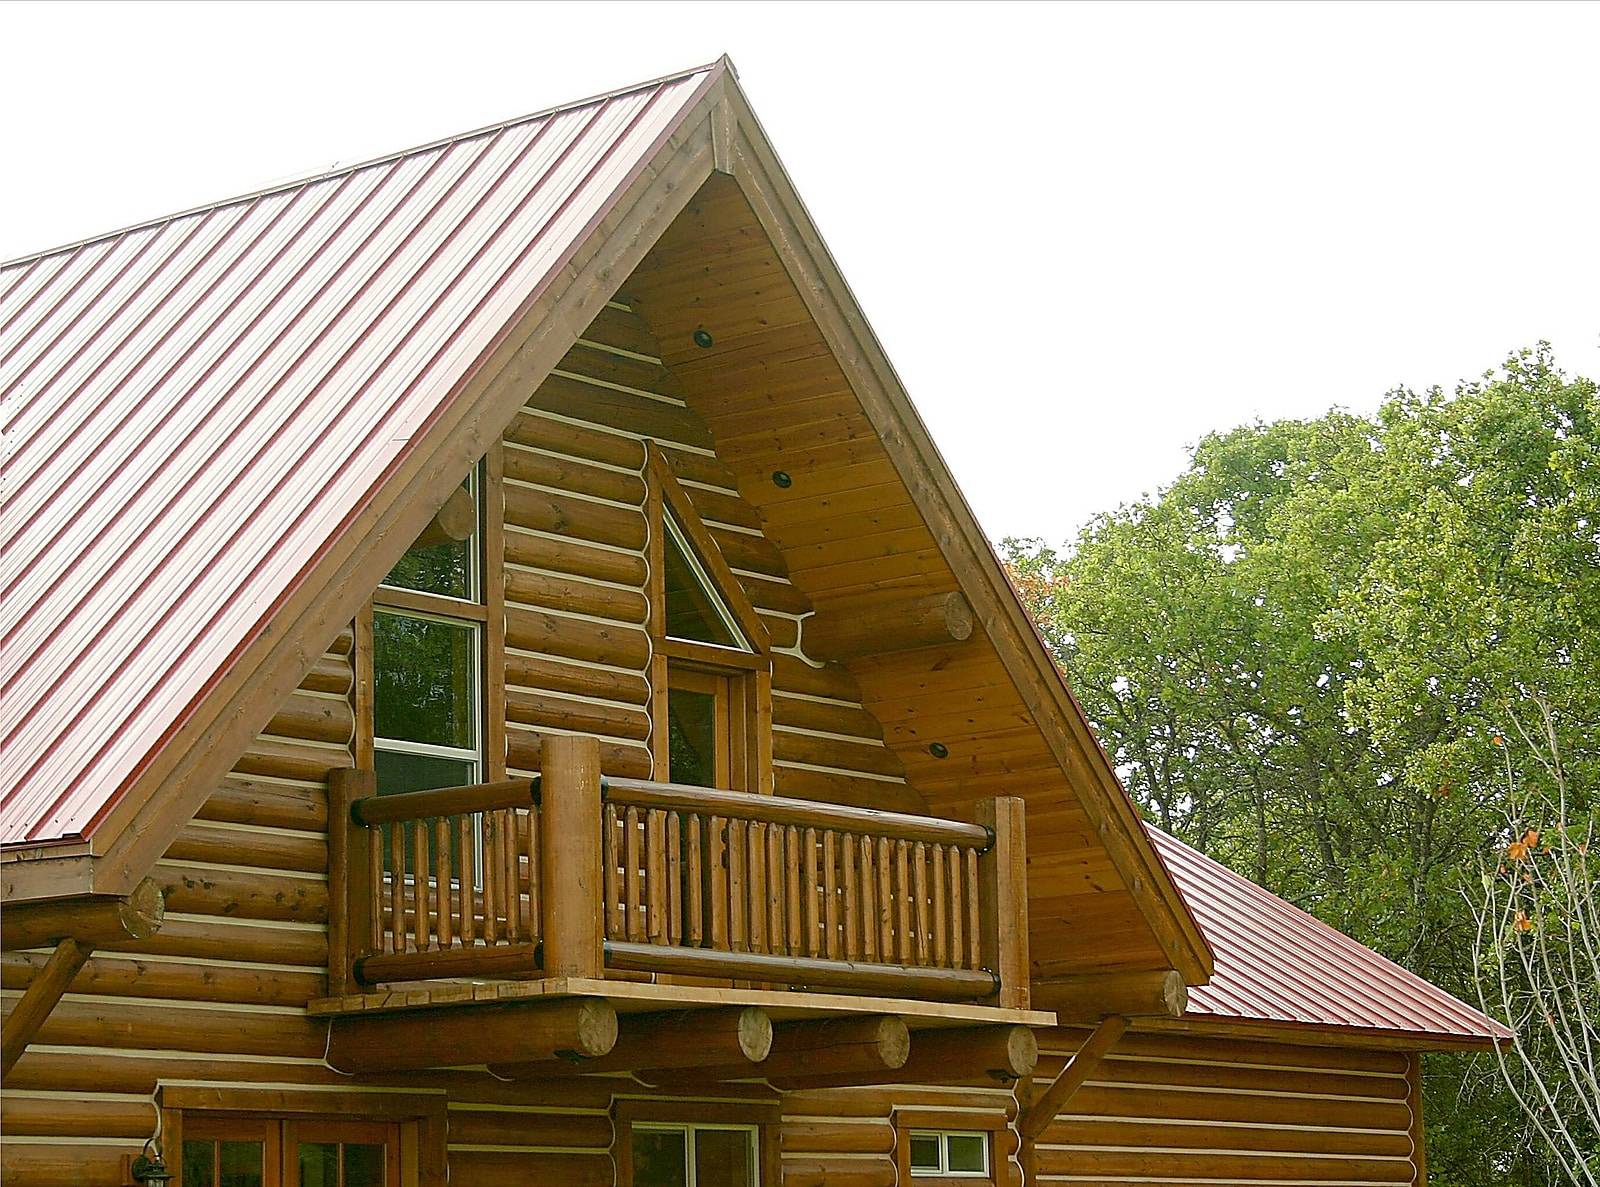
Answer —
1174 1110
845 1137
218 994
577 642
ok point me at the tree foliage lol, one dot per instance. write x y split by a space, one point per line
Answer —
1300 652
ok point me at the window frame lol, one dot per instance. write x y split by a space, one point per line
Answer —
477 480
659 1114
918 1121
414 1126
748 673
473 754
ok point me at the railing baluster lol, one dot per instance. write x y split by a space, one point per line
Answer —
885 900
902 876
531 848
830 891
508 846
375 895
693 880
674 880
791 897
776 931
466 888
444 930
611 864
852 899
716 882
756 875
941 922
974 948
397 887
737 890
812 890
957 951
491 879
655 852
633 874
419 884
869 901
919 881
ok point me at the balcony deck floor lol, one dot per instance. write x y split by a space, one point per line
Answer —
634 997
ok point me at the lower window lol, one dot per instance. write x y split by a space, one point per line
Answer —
947 1154
249 1152
668 1154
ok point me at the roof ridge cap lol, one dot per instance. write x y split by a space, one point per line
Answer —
723 62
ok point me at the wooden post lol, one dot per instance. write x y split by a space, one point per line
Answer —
1036 1118
1003 888
349 878
41 996
569 857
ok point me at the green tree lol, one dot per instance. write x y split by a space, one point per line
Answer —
1299 654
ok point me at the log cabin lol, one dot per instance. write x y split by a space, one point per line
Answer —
502 689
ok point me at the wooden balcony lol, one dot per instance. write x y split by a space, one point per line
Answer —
657 896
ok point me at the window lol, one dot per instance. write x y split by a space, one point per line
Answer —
692 1155
710 675
425 700
427 647
221 1151
949 1154
223 1136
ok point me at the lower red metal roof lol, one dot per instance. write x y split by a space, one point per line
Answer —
1276 963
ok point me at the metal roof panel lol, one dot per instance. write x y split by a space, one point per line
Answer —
1276 963
194 405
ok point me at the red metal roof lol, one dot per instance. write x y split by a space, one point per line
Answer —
1276 963
194 406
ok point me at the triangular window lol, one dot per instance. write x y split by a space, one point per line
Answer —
695 611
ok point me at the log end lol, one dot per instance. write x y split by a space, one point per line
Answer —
596 1030
143 911
958 617
1174 994
755 1033
1021 1055
893 1040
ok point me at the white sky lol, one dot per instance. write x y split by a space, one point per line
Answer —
1086 234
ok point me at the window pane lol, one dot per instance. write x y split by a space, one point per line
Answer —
925 1152
419 772
660 1158
725 1157
424 680
965 1152
199 1164
694 610
444 568
241 1164
363 1166
319 1164
691 737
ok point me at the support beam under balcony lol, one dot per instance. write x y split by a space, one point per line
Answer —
413 1040
1157 994
859 1048
681 1039
990 1055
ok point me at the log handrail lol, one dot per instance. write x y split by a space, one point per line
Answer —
444 801
773 809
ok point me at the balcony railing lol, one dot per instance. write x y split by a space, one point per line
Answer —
572 875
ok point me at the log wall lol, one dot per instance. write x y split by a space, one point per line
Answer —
218 996
575 540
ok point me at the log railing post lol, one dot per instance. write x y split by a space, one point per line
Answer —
349 878
1003 887
569 857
